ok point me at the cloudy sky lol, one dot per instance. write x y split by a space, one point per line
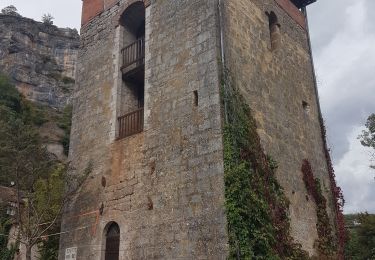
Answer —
343 38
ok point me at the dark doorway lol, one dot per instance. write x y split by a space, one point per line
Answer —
112 245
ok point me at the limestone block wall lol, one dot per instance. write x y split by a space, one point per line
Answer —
278 85
164 187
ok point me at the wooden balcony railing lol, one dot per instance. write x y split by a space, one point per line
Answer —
133 55
130 124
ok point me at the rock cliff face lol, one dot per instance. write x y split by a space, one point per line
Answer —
40 59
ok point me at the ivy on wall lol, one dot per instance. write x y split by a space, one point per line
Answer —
256 207
326 243
338 197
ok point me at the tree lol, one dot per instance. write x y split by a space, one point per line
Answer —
361 229
40 179
47 19
26 162
10 10
367 137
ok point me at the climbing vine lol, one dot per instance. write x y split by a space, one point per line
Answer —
256 207
326 242
338 197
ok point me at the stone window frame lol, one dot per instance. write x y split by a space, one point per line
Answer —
274 30
116 23
104 237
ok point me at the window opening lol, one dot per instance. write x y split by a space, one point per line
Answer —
274 27
196 98
131 114
112 245
306 107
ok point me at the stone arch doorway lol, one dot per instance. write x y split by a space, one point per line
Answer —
112 242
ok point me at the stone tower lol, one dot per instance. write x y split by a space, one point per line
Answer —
148 123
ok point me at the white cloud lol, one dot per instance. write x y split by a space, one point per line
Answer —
344 56
345 63
355 176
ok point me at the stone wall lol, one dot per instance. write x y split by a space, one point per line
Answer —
278 85
164 187
39 59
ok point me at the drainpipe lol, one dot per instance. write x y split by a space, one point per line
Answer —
221 34
221 28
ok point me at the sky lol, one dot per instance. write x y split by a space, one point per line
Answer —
343 40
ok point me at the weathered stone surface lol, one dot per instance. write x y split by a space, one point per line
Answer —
275 83
39 59
165 186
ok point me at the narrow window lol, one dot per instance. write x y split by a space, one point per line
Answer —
196 98
306 107
274 28
112 245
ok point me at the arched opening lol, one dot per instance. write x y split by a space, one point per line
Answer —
112 242
274 28
130 120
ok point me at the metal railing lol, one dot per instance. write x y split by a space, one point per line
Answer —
130 124
133 54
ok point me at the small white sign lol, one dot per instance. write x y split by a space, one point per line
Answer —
71 253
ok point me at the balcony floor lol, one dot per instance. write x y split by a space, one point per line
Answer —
135 76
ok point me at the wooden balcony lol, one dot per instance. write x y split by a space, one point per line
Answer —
133 57
130 124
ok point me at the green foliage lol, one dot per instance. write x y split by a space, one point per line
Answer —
25 160
366 234
9 96
22 155
47 19
13 105
10 10
256 207
325 243
47 195
368 136
48 198
361 243
33 114
65 123
5 226
361 230
49 248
